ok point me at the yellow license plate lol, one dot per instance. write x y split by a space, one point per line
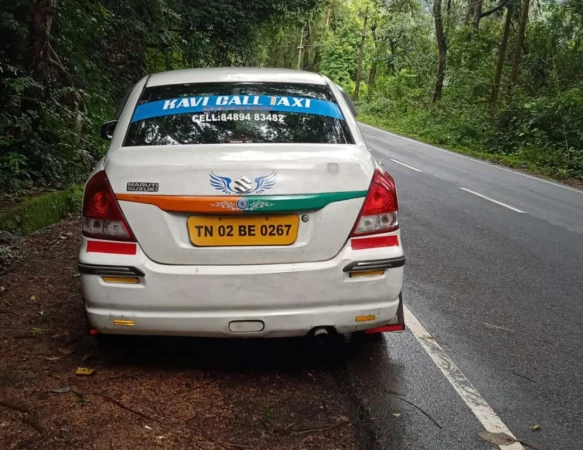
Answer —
224 231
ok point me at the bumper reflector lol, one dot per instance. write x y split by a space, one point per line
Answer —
374 242
370 273
386 329
122 280
365 318
123 323
118 248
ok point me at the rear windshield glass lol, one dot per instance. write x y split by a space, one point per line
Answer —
222 113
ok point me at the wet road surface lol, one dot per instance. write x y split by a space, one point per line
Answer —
494 273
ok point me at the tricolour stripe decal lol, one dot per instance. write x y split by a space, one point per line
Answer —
178 203
252 204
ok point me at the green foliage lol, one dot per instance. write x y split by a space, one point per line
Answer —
339 59
539 125
97 49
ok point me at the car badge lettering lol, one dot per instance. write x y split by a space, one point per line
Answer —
242 186
141 186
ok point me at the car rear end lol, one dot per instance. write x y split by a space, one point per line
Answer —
240 208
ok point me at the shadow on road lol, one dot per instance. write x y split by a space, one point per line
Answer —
234 354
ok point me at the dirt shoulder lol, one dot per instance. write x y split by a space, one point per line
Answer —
169 393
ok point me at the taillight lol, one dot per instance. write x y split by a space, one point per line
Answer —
379 212
102 216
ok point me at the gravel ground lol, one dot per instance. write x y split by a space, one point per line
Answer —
169 393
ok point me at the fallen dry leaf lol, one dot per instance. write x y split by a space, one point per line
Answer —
535 427
62 390
497 438
34 298
84 371
397 414
37 330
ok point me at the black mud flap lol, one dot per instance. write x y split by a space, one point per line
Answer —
400 313
397 325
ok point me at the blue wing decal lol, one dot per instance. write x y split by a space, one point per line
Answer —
264 183
222 184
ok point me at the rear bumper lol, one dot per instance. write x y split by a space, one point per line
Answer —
273 300
242 324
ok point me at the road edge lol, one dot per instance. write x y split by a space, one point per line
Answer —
471 156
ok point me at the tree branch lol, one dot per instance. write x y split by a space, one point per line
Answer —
55 61
501 5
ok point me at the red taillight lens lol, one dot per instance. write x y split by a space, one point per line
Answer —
102 216
379 212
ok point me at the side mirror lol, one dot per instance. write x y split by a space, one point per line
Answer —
107 130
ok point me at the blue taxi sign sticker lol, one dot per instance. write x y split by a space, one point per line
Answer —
214 103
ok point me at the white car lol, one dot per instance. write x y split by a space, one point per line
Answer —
238 202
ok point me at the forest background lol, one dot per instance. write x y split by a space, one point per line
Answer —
498 79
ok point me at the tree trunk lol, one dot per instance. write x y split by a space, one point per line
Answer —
306 64
360 57
474 13
43 13
391 62
519 43
328 15
501 57
373 68
300 48
442 46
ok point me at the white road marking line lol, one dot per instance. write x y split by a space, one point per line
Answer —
479 161
478 405
405 165
493 201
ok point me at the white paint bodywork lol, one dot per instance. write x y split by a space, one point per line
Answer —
184 170
198 291
289 299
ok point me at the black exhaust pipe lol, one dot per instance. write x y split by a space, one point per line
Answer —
321 335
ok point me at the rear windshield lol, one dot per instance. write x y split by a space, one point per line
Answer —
222 113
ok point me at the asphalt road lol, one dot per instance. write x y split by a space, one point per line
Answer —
495 274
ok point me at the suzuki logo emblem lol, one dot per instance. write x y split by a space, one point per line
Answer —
242 185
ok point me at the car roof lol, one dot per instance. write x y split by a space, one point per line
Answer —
234 74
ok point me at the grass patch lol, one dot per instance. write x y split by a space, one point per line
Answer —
41 210
514 161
